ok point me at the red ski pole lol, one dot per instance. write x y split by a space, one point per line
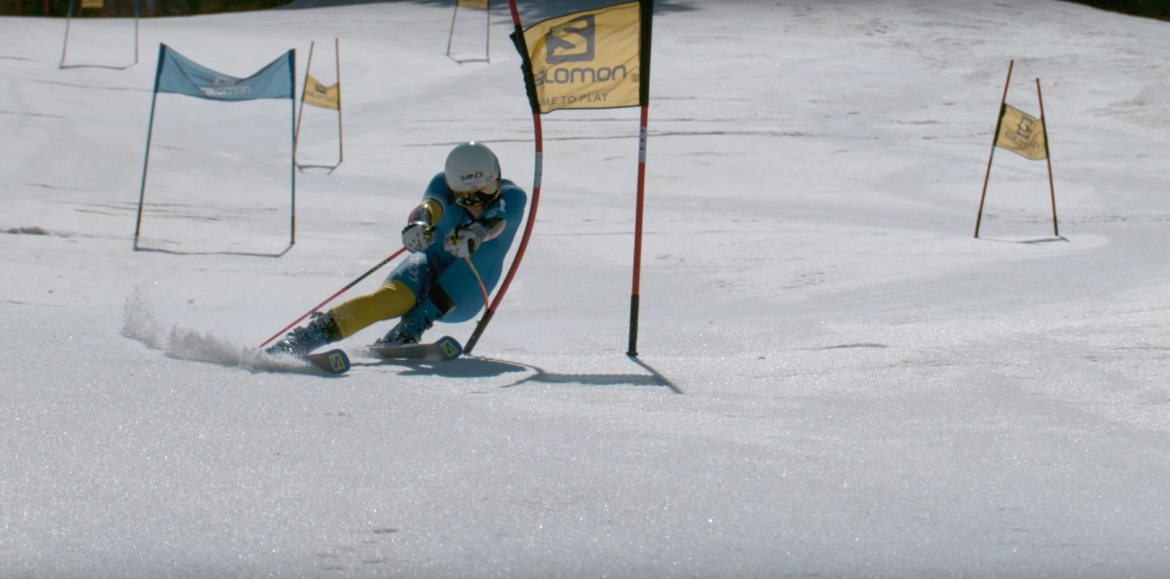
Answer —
343 290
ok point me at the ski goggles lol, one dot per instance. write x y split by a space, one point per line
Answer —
481 196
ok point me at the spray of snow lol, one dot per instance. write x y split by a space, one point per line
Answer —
143 322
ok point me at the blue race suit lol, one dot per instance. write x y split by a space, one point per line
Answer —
435 266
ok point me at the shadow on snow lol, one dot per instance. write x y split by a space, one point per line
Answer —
473 367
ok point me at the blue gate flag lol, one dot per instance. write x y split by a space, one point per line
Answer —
178 74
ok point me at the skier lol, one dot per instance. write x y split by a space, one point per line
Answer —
467 211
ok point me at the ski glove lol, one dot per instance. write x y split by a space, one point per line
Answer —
417 236
465 239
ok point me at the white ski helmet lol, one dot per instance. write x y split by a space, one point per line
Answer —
471 167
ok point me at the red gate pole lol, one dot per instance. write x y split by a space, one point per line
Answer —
534 102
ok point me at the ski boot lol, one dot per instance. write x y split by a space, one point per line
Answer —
322 329
411 325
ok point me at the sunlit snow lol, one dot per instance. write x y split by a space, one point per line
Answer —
835 377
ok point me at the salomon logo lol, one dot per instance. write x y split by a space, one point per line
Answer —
571 41
449 348
224 86
337 362
1024 128
574 41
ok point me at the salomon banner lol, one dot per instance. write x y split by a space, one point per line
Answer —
587 60
319 95
178 74
1022 134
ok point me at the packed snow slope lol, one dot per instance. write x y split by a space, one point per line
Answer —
835 377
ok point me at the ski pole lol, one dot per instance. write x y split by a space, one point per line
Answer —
482 289
343 290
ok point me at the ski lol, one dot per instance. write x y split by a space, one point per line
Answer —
446 348
332 361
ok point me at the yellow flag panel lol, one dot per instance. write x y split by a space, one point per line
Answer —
587 60
319 95
91 3
1022 134
480 4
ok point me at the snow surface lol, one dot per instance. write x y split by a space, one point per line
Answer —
835 379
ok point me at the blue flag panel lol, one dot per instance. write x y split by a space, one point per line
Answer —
178 74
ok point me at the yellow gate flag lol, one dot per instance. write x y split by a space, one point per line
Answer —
91 3
1022 134
319 95
480 4
587 60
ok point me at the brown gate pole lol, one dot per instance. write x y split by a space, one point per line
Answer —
1048 159
994 139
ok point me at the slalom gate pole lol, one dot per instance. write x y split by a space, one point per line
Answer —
534 102
340 138
1048 159
634 294
994 139
68 20
452 34
646 17
136 10
292 155
343 290
301 113
162 57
